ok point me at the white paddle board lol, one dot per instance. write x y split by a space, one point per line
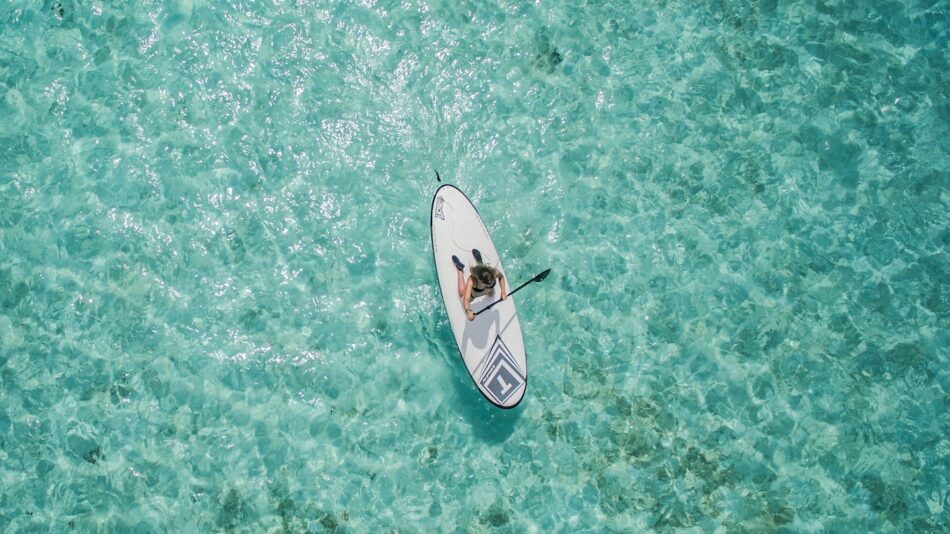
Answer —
491 346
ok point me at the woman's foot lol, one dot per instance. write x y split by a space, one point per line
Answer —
458 263
477 254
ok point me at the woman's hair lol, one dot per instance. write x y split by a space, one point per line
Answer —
484 274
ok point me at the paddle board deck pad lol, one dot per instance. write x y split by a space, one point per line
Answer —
491 346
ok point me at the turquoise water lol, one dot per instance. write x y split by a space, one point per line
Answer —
218 310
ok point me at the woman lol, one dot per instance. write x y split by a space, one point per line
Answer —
482 280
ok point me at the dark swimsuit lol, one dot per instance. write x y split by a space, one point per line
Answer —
482 291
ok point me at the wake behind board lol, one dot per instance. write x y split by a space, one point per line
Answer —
491 346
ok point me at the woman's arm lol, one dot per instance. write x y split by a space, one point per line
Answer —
504 287
467 300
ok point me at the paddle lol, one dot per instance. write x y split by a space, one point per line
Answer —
539 277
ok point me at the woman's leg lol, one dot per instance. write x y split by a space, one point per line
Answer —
459 266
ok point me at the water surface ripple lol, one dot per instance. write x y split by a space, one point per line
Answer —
218 310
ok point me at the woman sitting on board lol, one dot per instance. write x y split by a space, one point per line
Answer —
481 281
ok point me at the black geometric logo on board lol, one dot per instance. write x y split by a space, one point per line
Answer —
501 377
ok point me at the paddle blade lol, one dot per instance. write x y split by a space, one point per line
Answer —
541 276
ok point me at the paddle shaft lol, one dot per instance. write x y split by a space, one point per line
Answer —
537 278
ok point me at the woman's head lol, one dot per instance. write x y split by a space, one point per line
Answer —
484 274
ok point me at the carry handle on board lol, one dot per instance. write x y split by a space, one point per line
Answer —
537 278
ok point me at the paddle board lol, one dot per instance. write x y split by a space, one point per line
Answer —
491 346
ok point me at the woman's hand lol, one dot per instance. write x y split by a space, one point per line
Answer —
469 314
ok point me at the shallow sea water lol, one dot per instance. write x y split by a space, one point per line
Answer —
218 310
